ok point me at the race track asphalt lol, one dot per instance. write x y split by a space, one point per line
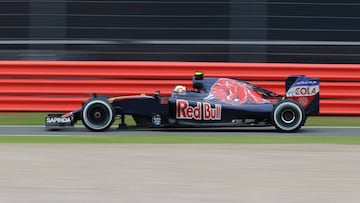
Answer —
305 131
178 173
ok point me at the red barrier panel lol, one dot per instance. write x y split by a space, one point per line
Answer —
175 70
62 85
86 87
36 104
126 87
340 107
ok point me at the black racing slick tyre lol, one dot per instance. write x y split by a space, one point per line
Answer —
288 116
97 114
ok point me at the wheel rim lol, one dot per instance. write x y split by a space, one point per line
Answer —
97 115
288 116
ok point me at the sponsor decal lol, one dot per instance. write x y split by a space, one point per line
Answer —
202 111
299 91
52 120
303 87
156 120
305 81
306 91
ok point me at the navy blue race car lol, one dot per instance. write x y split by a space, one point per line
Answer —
213 102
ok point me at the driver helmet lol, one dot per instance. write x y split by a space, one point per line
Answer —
179 90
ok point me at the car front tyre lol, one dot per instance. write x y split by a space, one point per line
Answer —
97 114
288 116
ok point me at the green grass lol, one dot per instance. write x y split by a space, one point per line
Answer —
180 139
22 118
38 119
332 121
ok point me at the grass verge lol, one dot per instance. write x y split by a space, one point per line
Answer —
333 121
39 119
180 139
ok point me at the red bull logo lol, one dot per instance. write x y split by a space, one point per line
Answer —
202 111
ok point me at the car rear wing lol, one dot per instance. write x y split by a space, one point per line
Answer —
306 91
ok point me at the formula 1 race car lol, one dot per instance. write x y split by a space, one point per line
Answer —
213 102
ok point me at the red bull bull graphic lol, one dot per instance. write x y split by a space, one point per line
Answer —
235 92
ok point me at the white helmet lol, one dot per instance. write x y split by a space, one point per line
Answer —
179 90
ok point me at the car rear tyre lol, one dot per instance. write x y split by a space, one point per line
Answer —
288 116
97 114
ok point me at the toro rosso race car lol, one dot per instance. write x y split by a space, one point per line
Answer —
213 102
